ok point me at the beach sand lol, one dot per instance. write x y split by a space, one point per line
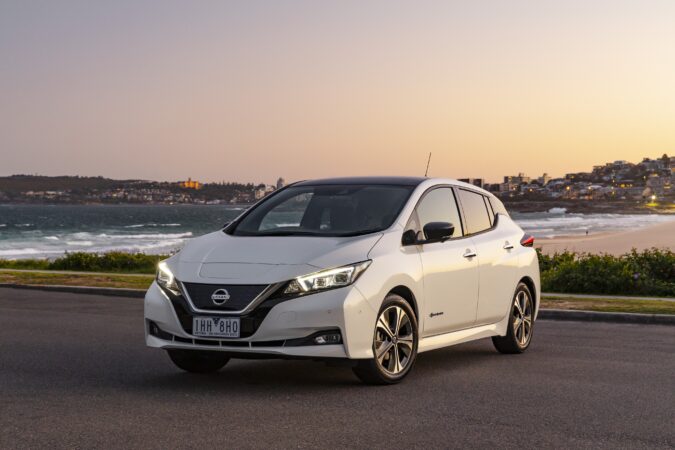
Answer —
660 236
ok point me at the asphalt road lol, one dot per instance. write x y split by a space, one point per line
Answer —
75 373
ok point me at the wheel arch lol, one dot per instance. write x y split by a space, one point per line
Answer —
408 296
529 282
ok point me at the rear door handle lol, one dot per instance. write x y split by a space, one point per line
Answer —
508 246
469 253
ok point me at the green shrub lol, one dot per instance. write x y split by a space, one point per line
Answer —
32 264
651 272
118 262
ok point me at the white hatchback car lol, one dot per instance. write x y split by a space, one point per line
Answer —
370 270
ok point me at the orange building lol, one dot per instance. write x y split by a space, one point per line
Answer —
190 184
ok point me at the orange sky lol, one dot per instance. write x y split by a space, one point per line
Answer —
302 89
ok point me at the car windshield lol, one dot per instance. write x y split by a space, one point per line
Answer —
325 210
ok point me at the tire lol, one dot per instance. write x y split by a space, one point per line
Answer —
521 323
397 347
198 361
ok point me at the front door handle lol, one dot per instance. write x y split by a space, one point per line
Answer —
469 253
508 246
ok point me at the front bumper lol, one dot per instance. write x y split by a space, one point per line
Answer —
342 309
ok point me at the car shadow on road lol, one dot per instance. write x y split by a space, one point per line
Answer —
290 374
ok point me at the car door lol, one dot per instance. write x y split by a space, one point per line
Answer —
496 255
450 271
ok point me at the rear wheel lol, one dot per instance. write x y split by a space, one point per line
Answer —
198 361
521 323
394 344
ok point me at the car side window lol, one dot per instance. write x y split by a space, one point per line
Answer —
491 213
437 205
475 211
498 206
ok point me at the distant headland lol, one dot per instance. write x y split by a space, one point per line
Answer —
620 186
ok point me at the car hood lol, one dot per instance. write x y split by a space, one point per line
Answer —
219 257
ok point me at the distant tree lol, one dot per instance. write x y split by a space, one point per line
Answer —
666 161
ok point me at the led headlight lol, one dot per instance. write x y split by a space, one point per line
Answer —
166 279
327 279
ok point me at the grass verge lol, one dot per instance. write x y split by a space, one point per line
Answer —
115 281
117 262
611 305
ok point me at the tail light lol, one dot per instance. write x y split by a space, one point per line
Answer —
527 241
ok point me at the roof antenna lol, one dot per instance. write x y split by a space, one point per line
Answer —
428 161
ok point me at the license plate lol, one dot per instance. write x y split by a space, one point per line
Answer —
216 326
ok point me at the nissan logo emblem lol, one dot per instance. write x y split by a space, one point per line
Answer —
220 296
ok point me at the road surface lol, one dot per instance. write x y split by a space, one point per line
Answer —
74 373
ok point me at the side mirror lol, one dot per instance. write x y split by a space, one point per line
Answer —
409 238
438 232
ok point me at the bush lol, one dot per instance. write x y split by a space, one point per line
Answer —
651 272
32 264
118 262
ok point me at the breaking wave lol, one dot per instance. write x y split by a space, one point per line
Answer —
555 224
142 225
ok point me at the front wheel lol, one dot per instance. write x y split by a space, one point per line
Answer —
198 361
521 323
394 344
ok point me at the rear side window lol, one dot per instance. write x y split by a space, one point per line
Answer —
498 206
475 211
491 213
438 205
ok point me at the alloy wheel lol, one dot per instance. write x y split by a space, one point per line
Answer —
522 318
394 340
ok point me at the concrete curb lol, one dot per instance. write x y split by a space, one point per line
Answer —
544 314
113 292
595 316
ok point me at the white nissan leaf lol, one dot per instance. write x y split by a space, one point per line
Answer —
370 271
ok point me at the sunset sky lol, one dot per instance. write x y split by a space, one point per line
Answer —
253 90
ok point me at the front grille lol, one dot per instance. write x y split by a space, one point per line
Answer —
240 295
249 322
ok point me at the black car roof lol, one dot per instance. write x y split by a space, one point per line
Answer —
396 181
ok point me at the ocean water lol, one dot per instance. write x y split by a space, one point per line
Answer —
29 231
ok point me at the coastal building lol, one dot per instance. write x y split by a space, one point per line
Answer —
658 184
508 187
517 179
480 182
190 184
262 190
651 164
544 179
579 176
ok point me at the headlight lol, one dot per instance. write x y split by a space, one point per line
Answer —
166 279
327 279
